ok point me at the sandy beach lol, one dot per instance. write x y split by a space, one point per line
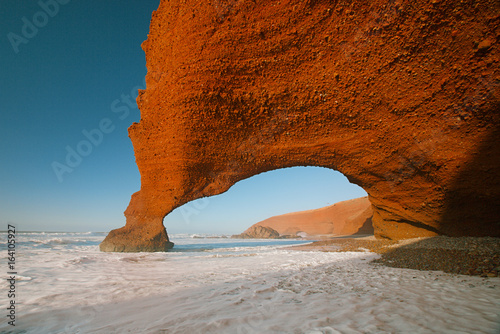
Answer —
466 255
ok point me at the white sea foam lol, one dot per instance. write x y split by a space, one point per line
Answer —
239 287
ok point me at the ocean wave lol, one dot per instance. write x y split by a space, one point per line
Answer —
199 236
68 242
232 255
56 241
82 260
43 233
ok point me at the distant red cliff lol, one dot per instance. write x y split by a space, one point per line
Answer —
344 218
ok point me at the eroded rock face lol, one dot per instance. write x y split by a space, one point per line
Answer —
401 97
344 218
258 232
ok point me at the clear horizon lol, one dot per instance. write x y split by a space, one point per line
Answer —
69 81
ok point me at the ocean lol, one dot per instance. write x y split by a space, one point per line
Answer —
81 241
211 284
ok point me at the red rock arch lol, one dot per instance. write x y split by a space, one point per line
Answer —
401 97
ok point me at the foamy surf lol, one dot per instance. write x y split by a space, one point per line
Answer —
238 288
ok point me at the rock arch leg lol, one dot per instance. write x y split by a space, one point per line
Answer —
144 232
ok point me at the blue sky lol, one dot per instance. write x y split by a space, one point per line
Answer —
70 71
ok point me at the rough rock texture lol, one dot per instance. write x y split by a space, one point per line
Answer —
343 218
153 238
258 232
402 97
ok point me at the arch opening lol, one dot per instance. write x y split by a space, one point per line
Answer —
294 190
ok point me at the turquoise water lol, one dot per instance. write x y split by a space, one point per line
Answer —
31 241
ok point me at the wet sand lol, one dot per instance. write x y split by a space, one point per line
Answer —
465 255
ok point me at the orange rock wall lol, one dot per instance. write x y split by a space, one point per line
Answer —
402 97
343 218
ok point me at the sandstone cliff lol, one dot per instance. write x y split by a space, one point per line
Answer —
258 232
343 218
402 97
